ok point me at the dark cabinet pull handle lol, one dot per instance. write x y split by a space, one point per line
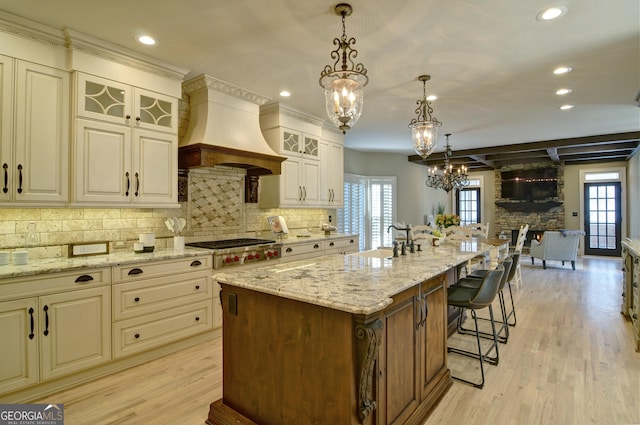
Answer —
84 278
288 250
31 335
316 246
196 263
19 178
5 189
305 193
128 183
128 117
137 184
137 119
426 312
197 319
351 241
137 336
46 320
136 299
418 306
197 287
331 244
134 271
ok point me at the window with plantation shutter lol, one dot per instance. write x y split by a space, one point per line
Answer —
369 209
351 217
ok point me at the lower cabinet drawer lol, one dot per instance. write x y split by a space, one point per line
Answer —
153 330
149 296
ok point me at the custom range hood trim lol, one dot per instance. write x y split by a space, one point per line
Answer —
224 128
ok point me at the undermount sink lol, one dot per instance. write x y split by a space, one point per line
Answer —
375 253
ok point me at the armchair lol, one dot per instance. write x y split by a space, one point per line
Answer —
556 245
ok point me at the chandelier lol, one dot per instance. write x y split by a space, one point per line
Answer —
343 82
424 128
447 178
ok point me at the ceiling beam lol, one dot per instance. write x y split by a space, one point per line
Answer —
553 154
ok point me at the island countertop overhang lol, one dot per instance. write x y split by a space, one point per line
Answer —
353 283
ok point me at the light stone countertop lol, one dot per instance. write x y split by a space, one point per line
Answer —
353 283
633 245
53 265
314 236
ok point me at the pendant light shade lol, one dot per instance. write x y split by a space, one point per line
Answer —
424 128
344 81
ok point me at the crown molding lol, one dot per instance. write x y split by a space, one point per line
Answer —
212 83
30 30
112 52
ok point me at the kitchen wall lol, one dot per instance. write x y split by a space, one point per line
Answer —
415 199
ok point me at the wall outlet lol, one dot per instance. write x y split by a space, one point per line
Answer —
119 244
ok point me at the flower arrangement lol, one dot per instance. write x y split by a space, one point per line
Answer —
446 220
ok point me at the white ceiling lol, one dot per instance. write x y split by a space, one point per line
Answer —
490 61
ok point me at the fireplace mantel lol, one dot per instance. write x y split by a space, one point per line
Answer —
528 207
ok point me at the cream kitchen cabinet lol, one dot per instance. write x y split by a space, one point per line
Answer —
126 145
347 245
114 164
156 303
106 100
52 326
317 247
331 174
34 131
299 183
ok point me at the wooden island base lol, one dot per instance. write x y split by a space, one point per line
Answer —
287 361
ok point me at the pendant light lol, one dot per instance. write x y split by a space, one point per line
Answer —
343 82
424 128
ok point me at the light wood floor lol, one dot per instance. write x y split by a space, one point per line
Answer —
569 360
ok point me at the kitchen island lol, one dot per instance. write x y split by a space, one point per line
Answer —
339 339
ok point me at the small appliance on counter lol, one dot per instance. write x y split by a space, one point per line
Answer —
148 241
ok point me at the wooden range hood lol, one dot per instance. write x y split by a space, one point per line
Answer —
224 129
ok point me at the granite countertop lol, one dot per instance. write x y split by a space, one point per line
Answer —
355 283
53 265
633 245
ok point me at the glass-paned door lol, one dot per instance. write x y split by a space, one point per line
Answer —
468 205
602 218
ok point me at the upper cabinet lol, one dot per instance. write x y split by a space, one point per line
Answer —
125 145
34 126
331 174
106 100
312 174
107 138
125 139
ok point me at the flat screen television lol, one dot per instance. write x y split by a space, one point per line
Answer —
530 185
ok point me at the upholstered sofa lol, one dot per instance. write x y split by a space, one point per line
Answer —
556 245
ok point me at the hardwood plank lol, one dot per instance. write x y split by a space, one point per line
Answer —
569 360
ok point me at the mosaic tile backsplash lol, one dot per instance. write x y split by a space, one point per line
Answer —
215 210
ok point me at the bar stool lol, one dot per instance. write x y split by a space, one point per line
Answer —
473 280
475 299
512 274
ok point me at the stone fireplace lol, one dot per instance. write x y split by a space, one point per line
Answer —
548 214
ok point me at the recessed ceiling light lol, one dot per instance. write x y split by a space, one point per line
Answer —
551 13
563 91
285 93
562 70
432 97
147 40
567 107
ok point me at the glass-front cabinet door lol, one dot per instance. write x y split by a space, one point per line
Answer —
108 100
102 99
